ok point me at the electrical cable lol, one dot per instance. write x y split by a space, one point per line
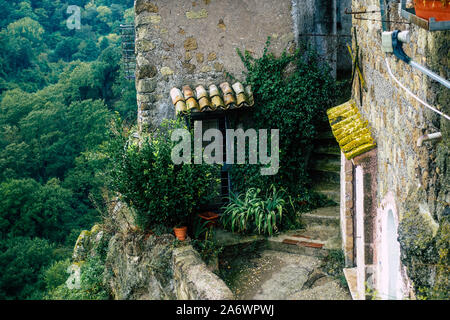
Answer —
378 20
412 94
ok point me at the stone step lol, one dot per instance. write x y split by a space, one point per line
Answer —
324 216
350 277
329 190
315 240
326 164
328 149
301 246
330 211
331 194
320 177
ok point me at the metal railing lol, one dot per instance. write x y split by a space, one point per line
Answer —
128 50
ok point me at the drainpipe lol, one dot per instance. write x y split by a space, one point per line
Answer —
430 73
392 43
384 16
335 38
427 137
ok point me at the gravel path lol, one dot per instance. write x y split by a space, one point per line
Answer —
274 275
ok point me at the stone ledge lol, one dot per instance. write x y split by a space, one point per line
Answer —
350 276
193 280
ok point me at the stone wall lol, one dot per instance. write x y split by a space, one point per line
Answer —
195 42
193 280
324 25
416 177
140 266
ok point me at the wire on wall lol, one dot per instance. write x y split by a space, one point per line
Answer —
412 94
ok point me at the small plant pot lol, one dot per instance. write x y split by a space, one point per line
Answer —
438 9
180 233
212 217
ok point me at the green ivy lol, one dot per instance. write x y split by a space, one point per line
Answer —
292 93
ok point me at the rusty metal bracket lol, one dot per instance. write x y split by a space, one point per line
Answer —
355 60
347 11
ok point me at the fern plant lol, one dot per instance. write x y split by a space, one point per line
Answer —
255 213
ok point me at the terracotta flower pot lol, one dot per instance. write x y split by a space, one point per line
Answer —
212 217
438 9
180 233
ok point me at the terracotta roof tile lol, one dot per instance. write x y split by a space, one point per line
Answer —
227 97
350 130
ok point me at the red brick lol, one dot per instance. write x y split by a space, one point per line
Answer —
289 241
310 244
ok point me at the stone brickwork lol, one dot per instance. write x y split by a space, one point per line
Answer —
347 210
324 25
142 267
194 42
417 177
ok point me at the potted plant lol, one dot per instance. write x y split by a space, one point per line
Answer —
437 9
180 232
254 212
163 193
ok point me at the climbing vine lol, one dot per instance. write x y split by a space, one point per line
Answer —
291 94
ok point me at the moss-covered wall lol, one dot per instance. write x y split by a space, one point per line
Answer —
417 176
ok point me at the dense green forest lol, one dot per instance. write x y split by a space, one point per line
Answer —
59 90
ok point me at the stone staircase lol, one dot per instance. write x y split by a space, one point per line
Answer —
289 266
322 231
325 166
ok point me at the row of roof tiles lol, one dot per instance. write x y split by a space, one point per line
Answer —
350 130
227 97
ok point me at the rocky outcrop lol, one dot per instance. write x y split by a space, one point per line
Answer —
140 266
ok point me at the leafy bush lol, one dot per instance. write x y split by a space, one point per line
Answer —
163 193
30 209
292 93
256 213
56 274
207 247
91 284
334 264
22 265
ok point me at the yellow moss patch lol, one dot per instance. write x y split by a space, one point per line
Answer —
350 130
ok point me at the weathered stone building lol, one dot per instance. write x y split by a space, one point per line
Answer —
195 42
395 198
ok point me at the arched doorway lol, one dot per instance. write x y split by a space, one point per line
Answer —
390 280
393 253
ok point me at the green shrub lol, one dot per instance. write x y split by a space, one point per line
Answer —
162 192
56 274
91 284
208 247
22 264
253 212
334 264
